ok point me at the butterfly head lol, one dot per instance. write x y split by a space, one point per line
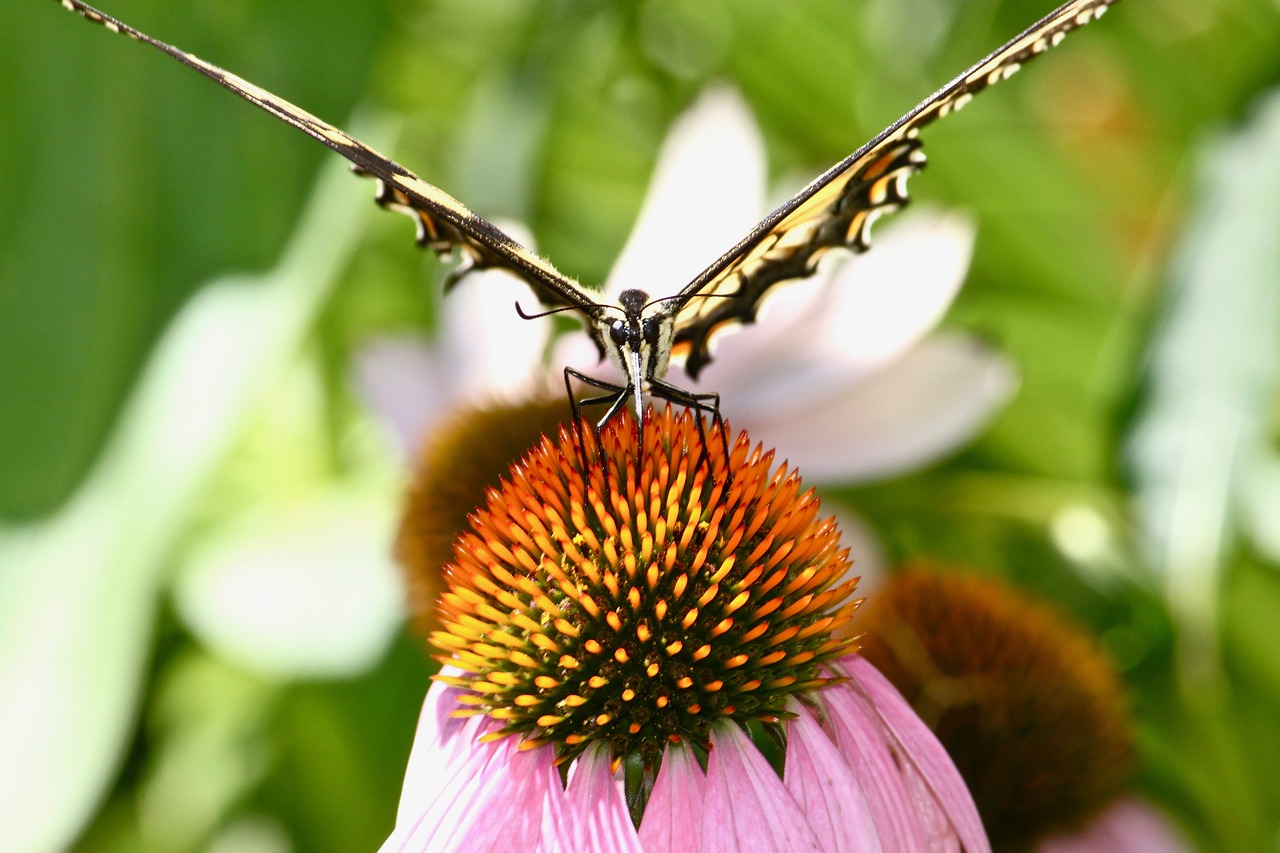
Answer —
639 341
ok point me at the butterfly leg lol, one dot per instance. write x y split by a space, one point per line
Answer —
616 398
700 403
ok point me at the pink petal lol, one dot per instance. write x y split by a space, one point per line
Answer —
747 806
441 743
824 785
923 751
598 806
1129 824
706 192
672 821
860 737
506 800
929 812
459 775
455 784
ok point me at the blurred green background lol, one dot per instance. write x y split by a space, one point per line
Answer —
1125 190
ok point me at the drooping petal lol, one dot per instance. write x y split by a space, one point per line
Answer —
748 808
860 737
930 762
457 785
706 192
595 800
920 408
673 817
826 789
439 745
525 809
494 797
930 814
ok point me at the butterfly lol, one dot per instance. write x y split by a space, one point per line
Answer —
641 335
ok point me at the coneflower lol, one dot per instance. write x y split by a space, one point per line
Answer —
1026 702
642 650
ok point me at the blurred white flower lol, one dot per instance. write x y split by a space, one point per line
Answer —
484 352
838 374
842 375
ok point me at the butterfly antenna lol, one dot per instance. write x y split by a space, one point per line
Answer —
547 313
661 299
560 310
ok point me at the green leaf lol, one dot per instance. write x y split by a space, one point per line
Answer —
1215 368
79 591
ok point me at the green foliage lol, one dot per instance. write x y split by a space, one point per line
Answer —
132 185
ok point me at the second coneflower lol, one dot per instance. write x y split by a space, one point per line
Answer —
1026 701
622 626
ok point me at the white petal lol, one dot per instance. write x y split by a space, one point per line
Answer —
706 193
576 350
857 314
925 405
487 350
885 301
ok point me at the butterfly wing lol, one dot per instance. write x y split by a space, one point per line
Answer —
444 224
836 210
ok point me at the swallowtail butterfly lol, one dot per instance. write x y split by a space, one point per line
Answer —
642 335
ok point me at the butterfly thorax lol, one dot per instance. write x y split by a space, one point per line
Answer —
639 342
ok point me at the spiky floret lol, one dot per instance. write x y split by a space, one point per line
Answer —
597 600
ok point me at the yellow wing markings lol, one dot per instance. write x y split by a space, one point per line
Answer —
835 211
838 208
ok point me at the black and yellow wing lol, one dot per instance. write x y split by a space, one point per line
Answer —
444 224
836 209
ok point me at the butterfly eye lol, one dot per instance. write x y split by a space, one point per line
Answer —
650 331
618 332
